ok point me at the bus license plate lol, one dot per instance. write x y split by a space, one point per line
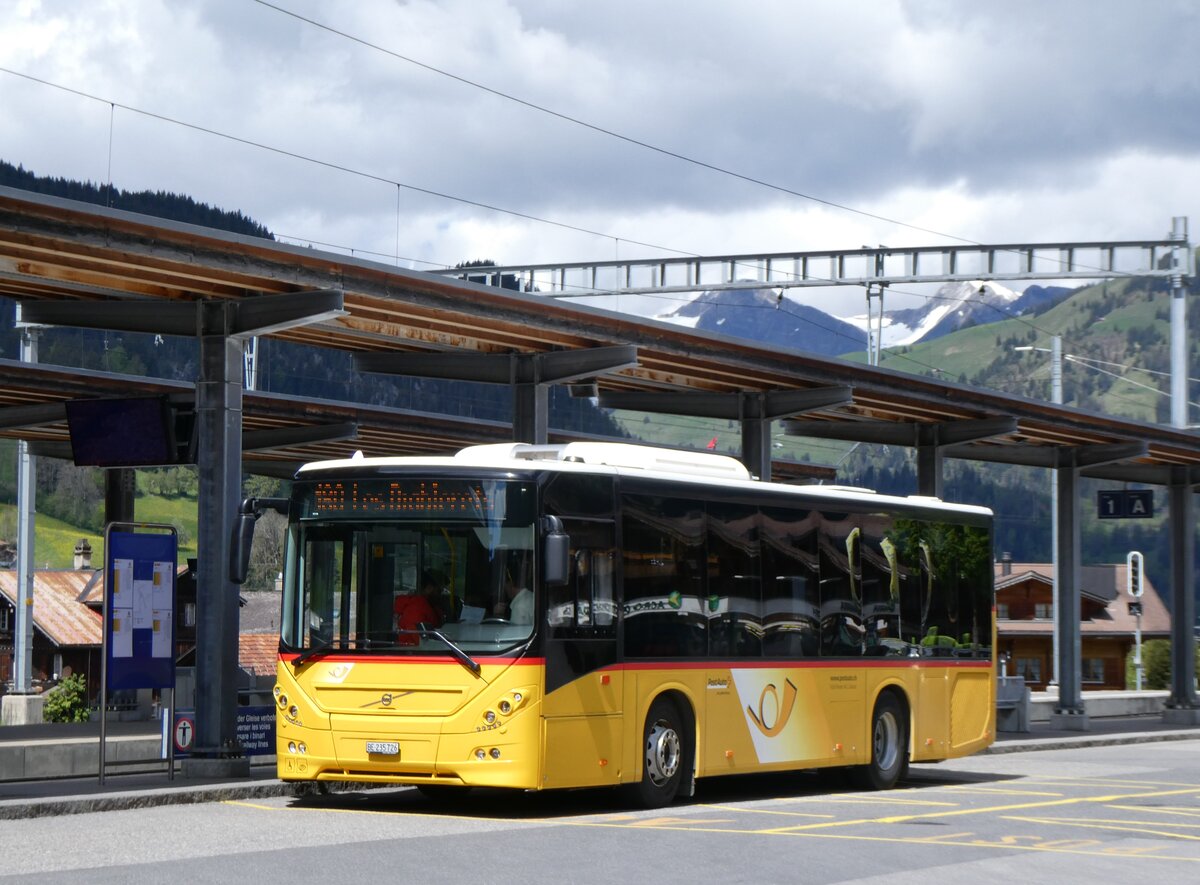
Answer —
383 748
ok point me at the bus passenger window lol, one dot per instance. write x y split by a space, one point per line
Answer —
664 577
791 598
734 600
584 606
842 630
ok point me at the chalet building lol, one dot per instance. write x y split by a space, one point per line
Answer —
66 633
1025 622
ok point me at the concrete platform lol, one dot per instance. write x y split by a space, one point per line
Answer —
1103 704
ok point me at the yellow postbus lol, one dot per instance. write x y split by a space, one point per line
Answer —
594 614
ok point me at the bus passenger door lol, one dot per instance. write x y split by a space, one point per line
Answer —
583 703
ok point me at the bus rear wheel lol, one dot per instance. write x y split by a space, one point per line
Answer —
665 743
889 746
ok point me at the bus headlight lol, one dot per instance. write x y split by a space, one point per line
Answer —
505 707
489 717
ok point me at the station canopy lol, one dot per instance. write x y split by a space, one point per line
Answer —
62 250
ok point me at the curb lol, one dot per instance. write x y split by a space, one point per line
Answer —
21 809
1066 743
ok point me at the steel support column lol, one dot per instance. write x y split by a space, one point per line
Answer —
531 412
929 470
219 454
26 509
1069 712
120 490
1182 706
756 445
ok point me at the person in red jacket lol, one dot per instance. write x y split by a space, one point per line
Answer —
414 609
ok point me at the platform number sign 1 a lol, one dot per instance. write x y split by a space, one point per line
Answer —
1125 504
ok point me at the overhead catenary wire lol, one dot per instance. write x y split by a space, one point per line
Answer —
339 167
612 133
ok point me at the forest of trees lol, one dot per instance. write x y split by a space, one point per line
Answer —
160 204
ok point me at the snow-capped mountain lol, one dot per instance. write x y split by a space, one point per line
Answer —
762 315
954 306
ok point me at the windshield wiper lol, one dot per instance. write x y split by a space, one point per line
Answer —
308 653
461 656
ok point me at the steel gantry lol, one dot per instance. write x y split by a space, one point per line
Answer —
62 257
868 267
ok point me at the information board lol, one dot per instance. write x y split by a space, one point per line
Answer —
140 610
255 731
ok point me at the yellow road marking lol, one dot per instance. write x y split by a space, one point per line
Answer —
672 821
1119 827
1050 780
388 812
1003 791
876 800
1103 820
1186 812
242 804
761 811
991 809
1055 847
1058 846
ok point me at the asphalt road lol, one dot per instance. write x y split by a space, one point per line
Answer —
1100 814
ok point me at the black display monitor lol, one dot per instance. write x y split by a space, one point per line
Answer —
125 432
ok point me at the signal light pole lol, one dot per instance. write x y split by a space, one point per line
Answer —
1056 397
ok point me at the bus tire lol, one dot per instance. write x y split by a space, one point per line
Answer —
889 746
311 790
665 746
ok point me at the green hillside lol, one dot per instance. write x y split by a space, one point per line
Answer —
55 539
1116 347
686 432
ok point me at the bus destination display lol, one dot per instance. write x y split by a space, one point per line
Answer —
431 498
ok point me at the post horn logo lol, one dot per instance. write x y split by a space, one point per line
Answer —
783 709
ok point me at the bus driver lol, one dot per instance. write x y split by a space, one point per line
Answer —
518 604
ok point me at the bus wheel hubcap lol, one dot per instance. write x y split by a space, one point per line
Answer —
662 752
887 741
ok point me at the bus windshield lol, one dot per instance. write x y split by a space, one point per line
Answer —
410 565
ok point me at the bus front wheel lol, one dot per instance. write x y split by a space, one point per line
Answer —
889 746
664 743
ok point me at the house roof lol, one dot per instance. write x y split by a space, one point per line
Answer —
1102 583
57 613
260 612
258 653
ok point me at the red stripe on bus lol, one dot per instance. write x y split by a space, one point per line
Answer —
846 664
289 657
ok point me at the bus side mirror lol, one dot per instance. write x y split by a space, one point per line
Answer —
240 547
556 553
242 541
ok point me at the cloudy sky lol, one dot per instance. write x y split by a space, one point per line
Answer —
1015 121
